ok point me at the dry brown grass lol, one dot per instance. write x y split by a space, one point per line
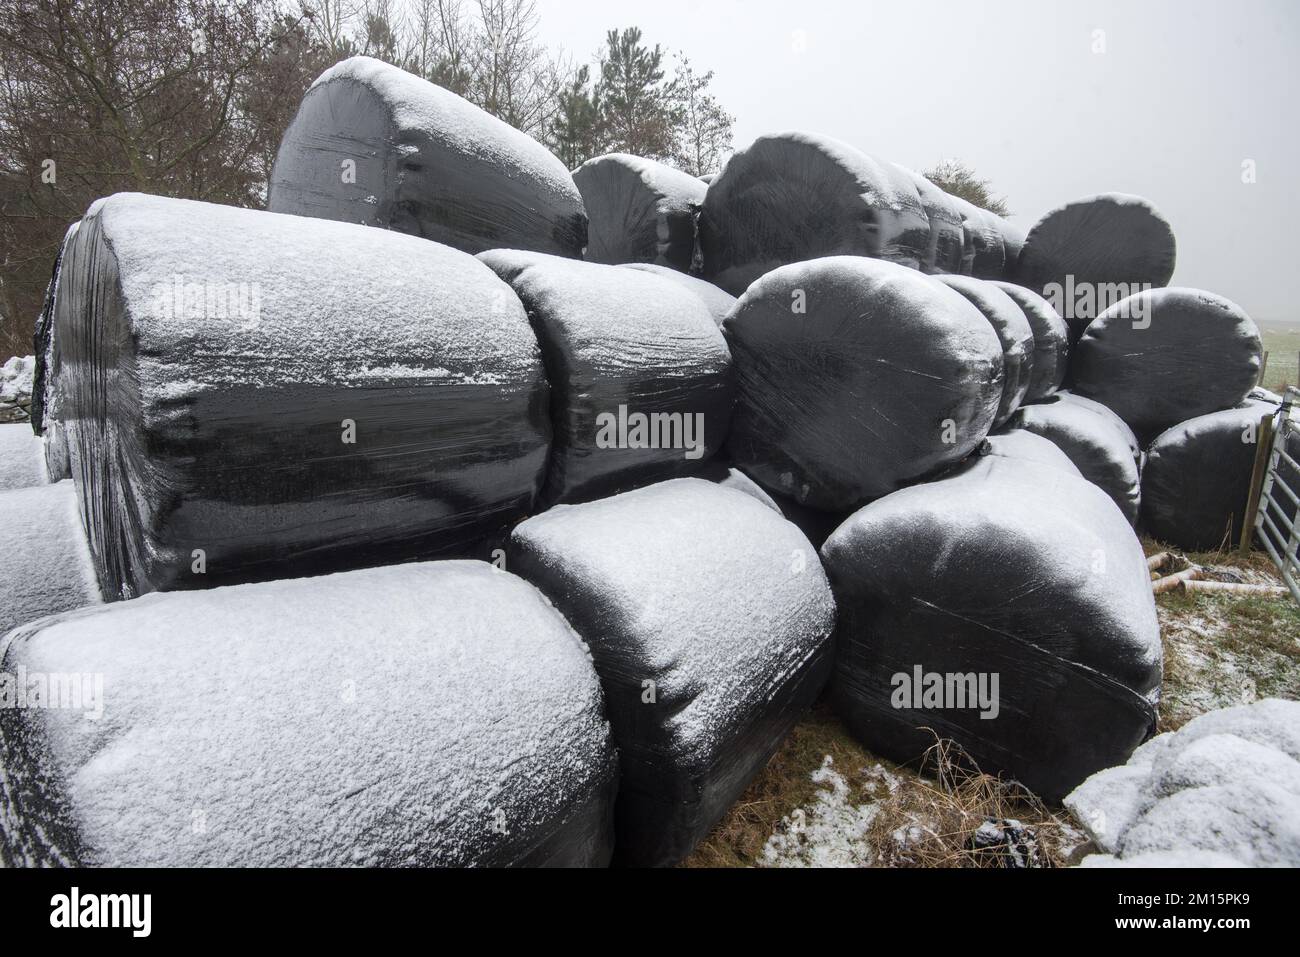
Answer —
931 819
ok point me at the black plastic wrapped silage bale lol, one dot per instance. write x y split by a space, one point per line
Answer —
1197 478
708 617
1093 443
255 396
947 235
1112 245
1051 341
1005 571
376 145
421 715
1013 329
640 376
639 211
791 197
856 376
1167 355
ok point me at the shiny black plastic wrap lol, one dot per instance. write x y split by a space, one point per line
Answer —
1167 355
1099 449
45 386
1111 244
375 145
256 396
437 714
1197 478
791 197
1013 242
639 211
1013 329
640 376
43 341
1051 341
1004 569
857 376
1107 413
709 621
947 234
718 301
984 255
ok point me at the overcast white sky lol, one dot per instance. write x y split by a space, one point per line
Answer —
1185 91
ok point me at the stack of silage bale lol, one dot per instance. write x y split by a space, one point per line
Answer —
248 396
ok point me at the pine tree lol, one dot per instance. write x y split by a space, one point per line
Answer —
575 131
638 110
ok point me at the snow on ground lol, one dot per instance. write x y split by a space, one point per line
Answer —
830 830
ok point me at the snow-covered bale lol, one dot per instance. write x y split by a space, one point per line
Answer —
947 234
1017 444
1105 411
640 376
22 457
254 395
984 255
1197 478
1105 247
720 474
1051 341
45 564
1006 606
855 377
639 211
718 301
1099 450
1013 329
1167 355
709 621
1227 784
435 714
376 145
790 197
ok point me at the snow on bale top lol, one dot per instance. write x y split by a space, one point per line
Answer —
1051 341
639 211
1013 329
794 196
856 376
425 162
1003 568
1093 443
1014 443
1226 784
708 617
640 376
1097 242
1197 477
718 301
45 564
1163 356
417 715
288 395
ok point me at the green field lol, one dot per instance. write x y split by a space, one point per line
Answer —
1282 343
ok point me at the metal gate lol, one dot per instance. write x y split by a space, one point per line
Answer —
1277 515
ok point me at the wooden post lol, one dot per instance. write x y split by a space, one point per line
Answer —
1263 450
1263 367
